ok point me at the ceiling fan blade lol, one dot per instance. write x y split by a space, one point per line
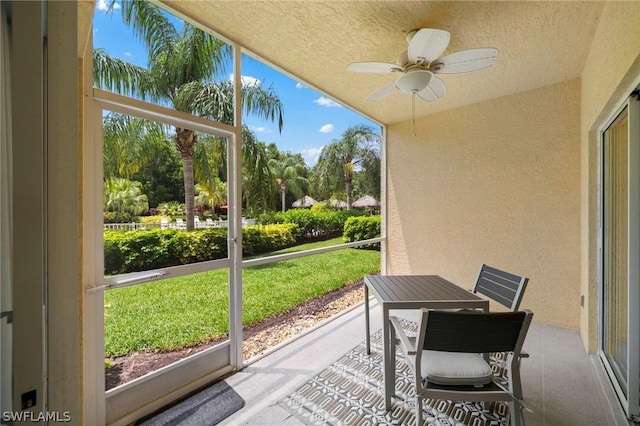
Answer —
382 92
373 67
434 91
427 45
465 61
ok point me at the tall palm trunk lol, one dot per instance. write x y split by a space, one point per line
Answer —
185 142
349 188
348 177
283 190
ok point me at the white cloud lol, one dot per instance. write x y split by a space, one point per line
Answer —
326 102
311 155
103 5
300 86
128 54
327 128
247 80
261 129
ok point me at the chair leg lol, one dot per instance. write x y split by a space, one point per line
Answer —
418 410
515 414
392 352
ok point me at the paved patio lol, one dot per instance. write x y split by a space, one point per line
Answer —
562 384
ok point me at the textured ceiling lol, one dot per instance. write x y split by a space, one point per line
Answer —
540 43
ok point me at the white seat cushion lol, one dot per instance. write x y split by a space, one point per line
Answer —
455 368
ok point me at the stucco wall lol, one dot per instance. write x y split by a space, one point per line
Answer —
611 70
497 183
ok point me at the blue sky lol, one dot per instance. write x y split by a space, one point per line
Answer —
311 120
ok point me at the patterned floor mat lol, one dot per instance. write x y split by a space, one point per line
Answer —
351 392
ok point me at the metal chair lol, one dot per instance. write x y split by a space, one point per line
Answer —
503 287
448 356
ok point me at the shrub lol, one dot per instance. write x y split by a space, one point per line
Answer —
332 204
266 238
312 225
113 254
118 217
171 208
131 251
362 228
152 219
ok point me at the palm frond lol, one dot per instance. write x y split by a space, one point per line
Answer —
116 75
258 188
200 56
150 26
124 196
129 143
288 173
210 100
265 103
214 100
208 158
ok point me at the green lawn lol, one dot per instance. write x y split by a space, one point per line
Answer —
188 310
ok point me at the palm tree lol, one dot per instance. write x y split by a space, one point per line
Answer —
182 65
124 196
212 194
257 178
288 175
210 164
128 142
338 161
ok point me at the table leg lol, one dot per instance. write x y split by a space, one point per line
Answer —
367 337
389 382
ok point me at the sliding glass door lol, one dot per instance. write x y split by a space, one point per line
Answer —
619 340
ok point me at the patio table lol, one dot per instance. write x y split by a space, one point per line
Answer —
411 292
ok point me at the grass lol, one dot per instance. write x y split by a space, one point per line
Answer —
185 311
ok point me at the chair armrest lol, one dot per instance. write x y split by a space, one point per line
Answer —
404 340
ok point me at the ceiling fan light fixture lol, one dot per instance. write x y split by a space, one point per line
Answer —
414 81
421 64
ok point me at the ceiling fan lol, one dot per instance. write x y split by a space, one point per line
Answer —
421 61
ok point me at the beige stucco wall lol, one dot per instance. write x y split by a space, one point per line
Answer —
611 71
496 182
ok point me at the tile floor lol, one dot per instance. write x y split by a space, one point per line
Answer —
563 385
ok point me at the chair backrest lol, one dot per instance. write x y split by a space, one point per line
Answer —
473 331
503 287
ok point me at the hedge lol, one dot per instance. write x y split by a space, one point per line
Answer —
313 225
362 228
132 251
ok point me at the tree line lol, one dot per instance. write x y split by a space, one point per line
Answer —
147 164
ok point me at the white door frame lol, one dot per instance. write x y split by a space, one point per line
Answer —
143 396
630 399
